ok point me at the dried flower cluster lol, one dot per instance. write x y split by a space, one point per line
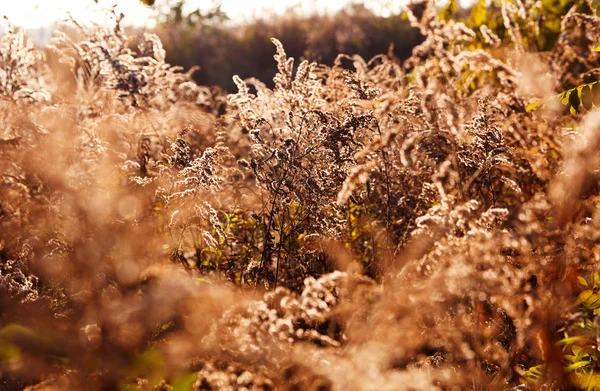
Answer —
373 225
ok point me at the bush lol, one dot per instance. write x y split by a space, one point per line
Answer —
246 50
393 225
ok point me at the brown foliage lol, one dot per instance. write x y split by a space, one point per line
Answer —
400 225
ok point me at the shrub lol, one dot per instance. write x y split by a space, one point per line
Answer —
385 225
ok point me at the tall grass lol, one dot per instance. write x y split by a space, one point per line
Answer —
399 225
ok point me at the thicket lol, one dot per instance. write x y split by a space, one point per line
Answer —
404 225
222 50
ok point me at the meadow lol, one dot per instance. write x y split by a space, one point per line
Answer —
420 223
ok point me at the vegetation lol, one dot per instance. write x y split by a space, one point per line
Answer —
379 224
221 50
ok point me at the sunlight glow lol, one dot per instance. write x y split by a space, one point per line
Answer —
41 13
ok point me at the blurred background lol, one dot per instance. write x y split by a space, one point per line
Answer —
230 37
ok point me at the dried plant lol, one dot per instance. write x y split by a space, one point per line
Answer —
21 68
371 225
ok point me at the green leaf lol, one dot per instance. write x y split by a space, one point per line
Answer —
571 358
534 373
582 281
537 370
149 365
582 352
571 340
597 47
13 330
595 4
184 382
533 105
576 365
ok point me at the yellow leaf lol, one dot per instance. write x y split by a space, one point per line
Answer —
585 94
276 237
585 295
479 14
533 105
295 209
576 365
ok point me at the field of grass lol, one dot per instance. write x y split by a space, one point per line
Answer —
378 224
